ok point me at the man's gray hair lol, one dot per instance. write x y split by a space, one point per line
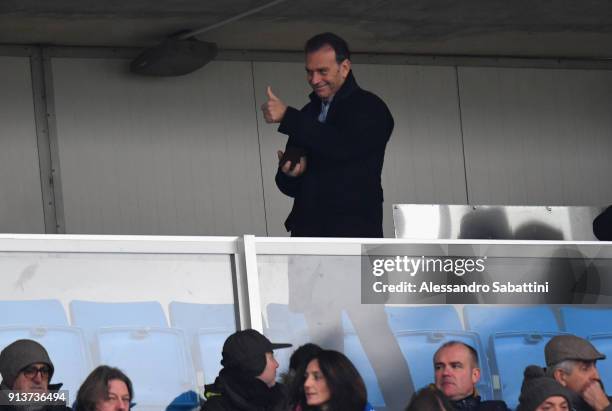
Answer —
567 366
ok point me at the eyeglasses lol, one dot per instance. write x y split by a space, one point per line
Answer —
31 371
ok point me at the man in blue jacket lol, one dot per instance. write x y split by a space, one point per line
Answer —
334 156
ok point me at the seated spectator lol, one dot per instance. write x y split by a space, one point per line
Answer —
542 393
429 398
297 367
602 225
457 372
571 361
25 367
332 383
105 389
248 378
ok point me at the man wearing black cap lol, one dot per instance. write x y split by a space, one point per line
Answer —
247 381
571 361
26 368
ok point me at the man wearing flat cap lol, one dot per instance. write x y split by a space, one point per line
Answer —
571 361
26 368
247 381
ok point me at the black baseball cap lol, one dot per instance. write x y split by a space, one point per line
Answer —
246 351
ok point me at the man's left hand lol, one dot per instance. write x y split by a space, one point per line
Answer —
595 396
274 109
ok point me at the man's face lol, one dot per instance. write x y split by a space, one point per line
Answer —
33 378
583 373
269 373
117 397
455 372
324 74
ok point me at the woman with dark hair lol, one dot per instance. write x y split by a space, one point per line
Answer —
105 389
429 398
293 379
332 383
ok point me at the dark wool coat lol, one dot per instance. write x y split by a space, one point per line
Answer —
235 392
340 193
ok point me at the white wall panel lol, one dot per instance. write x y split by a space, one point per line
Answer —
20 192
423 162
424 159
145 155
535 136
288 82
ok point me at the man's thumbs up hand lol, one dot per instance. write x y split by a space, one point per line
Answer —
273 109
271 95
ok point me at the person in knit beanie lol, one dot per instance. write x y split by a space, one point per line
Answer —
247 381
25 366
542 393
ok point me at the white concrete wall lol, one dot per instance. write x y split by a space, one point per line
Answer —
21 208
535 136
192 155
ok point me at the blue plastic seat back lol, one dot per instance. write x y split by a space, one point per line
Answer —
486 320
206 327
66 347
195 317
603 343
155 359
442 317
33 312
586 321
513 352
284 326
209 349
91 315
279 316
355 352
419 347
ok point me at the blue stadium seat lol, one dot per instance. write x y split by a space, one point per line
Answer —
419 347
156 360
355 352
513 351
192 317
444 317
603 343
206 327
33 312
208 348
586 321
91 315
486 320
66 347
286 327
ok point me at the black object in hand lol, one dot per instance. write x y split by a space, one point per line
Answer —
292 154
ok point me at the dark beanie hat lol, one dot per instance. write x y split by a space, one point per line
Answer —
245 351
537 387
18 355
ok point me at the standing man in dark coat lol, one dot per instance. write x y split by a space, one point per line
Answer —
332 168
334 156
